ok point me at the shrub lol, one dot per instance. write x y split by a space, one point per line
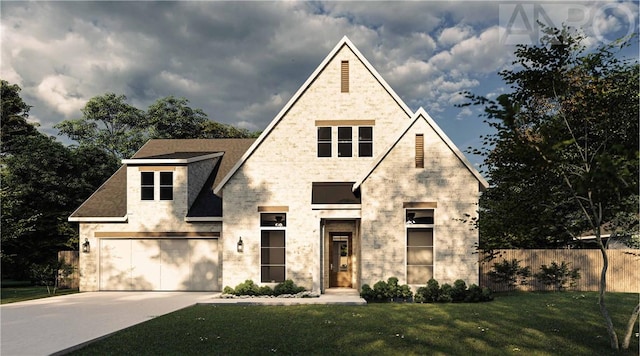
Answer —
429 293
445 293
265 290
228 290
367 293
287 287
247 288
475 294
458 291
381 292
509 273
398 292
557 275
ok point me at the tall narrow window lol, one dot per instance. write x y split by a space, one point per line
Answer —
273 247
146 185
420 250
166 185
324 141
365 141
419 150
345 141
344 77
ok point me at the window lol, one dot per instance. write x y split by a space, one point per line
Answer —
344 76
365 141
166 185
272 247
344 141
324 141
419 150
420 251
147 183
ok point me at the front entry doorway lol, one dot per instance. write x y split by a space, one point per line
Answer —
340 264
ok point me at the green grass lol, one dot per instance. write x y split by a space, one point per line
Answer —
521 323
18 292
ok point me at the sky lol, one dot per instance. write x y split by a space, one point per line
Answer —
241 62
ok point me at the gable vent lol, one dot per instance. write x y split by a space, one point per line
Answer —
344 77
419 150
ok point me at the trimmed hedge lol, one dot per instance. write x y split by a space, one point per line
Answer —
390 291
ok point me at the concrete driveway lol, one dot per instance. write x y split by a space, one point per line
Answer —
50 325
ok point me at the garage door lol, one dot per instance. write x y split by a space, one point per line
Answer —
159 264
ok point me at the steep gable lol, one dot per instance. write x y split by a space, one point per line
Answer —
421 114
345 108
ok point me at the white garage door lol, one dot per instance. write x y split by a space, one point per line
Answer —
159 264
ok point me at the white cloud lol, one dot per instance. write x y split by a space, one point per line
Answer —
59 91
452 35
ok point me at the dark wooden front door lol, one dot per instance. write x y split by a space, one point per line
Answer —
340 266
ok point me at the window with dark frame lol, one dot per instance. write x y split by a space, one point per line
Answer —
345 142
420 242
324 141
365 141
166 185
147 183
273 247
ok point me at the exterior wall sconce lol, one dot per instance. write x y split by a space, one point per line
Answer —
240 245
86 246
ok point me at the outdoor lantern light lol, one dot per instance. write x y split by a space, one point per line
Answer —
240 245
86 247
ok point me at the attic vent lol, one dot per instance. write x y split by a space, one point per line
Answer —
344 77
419 150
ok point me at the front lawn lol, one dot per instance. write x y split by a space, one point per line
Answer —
566 323
18 292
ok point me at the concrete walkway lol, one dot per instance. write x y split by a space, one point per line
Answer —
57 324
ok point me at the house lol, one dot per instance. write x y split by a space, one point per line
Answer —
346 186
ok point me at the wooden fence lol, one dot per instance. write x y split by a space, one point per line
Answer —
623 274
72 281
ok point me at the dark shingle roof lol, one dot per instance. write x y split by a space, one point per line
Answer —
110 200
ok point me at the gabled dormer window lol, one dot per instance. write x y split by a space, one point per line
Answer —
147 184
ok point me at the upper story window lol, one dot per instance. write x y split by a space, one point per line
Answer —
147 184
166 185
365 141
345 141
324 141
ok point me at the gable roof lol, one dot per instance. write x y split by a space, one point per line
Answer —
421 113
343 42
109 201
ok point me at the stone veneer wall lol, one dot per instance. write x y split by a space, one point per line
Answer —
281 170
444 180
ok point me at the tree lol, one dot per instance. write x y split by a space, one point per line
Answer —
565 149
43 181
170 117
110 123
14 116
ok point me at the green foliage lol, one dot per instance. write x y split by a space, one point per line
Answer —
287 287
51 274
110 123
558 275
459 291
386 291
509 273
445 293
249 288
475 294
429 293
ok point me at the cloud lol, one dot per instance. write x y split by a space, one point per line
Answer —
452 35
60 92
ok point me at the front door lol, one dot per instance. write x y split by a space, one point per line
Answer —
340 266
